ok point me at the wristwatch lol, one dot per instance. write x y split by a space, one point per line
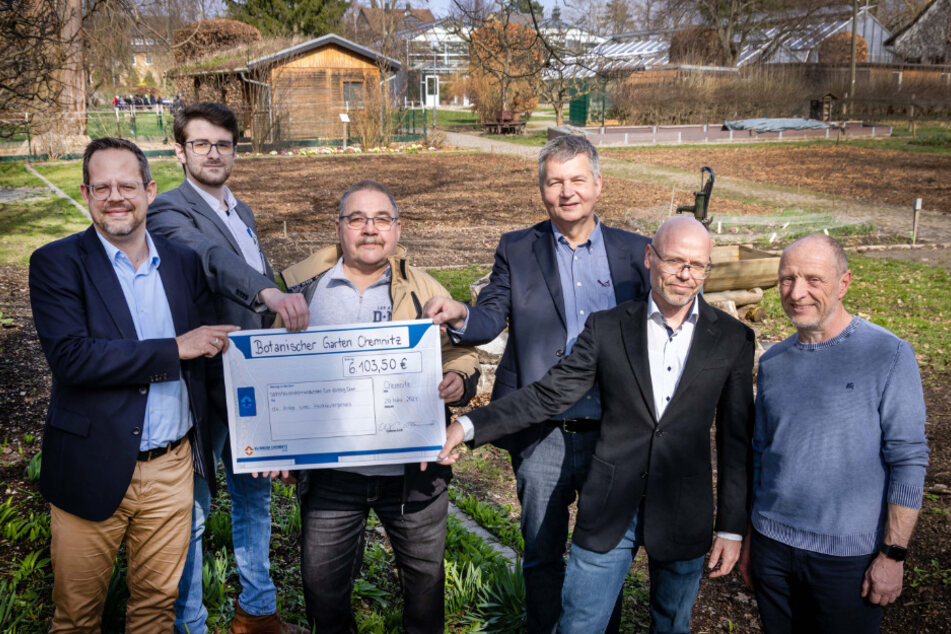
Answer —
895 553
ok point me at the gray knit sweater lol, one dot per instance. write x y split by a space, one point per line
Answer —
840 432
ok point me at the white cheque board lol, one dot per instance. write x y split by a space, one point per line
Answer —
335 396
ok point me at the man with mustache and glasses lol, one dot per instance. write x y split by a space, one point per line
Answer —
119 314
203 214
365 278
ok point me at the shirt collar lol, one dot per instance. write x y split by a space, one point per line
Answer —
653 312
593 241
230 200
115 255
336 274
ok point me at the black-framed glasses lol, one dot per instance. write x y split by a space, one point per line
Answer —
354 221
673 266
102 191
202 147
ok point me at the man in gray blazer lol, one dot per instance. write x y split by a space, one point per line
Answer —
203 214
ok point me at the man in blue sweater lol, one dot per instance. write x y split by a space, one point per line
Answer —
839 457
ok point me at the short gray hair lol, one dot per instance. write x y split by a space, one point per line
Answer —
838 253
563 149
367 185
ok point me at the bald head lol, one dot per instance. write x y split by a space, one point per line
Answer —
820 243
677 259
682 228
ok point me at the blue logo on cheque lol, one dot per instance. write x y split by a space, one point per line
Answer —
246 404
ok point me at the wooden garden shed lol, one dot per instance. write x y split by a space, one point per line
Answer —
297 92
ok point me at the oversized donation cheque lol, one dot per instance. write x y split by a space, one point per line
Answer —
335 396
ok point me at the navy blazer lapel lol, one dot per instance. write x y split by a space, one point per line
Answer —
634 334
187 190
705 337
544 249
103 276
619 262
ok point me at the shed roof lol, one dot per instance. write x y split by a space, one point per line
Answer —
222 63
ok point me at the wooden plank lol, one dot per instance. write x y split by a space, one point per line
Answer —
331 56
741 268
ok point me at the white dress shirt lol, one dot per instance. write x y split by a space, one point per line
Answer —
247 241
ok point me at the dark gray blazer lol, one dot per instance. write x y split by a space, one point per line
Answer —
664 464
524 293
183 216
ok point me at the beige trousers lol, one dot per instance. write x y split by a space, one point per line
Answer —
154 518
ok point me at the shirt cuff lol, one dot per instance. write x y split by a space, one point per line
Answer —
467 428
733 537
456 334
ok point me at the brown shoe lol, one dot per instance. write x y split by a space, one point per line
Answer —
245 623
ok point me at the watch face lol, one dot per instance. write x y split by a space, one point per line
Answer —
896 553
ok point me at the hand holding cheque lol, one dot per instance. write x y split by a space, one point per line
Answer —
336 396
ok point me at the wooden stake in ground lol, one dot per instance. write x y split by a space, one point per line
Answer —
670 209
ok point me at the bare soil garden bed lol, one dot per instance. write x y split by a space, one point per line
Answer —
855 172
453 208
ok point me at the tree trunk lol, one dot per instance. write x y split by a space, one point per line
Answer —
73 96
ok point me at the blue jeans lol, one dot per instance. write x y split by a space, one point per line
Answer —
251 537
334 510
548 482
594 579
802 591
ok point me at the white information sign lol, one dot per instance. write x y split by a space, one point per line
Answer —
334 396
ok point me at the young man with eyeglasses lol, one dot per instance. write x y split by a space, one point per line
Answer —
203 213
667 368
119 315
366 278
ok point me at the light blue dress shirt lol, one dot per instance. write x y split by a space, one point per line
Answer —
586 287
167 415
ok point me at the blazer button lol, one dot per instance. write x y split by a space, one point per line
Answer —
143 390
136 431
560 352
659 433
644 475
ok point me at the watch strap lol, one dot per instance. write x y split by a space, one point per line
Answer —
895 553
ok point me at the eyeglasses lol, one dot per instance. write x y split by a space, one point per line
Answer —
202 147
102 191
382 223
673 266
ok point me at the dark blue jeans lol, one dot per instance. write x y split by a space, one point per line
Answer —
594 579
548 482
334 512
802 591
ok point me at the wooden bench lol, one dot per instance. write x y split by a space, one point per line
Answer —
504 127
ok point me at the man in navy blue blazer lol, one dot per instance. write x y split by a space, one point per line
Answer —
119 315
545 282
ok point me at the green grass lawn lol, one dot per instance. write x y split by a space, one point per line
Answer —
534 137
457 281
67 176
25 226
443 117
147 124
